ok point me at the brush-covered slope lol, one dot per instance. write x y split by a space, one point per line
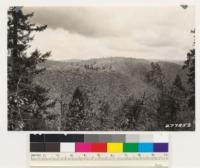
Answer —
111 80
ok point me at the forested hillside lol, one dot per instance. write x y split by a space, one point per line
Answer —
106 84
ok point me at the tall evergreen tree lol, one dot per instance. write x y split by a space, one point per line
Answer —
77 115
189 65
27 101
166 103
178 83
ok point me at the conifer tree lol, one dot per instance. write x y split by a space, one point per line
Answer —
166 105
189 65
77 115
178 83
27 101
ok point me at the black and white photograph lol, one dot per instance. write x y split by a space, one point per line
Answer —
101 68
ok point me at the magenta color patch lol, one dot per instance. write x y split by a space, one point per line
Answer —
83 147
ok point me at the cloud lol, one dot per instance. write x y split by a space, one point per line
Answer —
65 45
151 32
108 21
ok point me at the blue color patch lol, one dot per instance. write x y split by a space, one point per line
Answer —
145 147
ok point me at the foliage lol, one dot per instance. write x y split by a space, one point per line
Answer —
155 76
105 117
190 66
28 102
77 115
178 83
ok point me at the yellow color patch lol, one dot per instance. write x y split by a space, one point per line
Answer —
114 147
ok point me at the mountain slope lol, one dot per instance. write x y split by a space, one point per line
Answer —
107 79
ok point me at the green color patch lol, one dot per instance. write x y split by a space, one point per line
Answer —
130 147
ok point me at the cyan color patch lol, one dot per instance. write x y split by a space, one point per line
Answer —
145 147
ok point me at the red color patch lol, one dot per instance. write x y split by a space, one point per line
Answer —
99 147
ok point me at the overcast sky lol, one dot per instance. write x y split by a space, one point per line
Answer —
154 32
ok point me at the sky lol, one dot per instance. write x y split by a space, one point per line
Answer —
147 32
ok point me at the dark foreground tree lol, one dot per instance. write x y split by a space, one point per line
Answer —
168 101
77 117
178 83
189 65
28 102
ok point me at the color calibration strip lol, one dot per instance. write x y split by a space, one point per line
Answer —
99 150
98 143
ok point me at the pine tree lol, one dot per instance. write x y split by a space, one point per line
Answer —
77 116
27 101
178 83
165 102
189 65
